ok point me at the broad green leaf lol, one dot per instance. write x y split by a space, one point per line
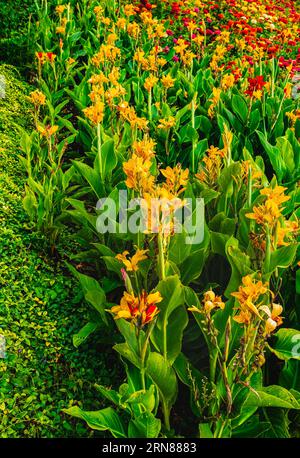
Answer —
218 243
167 334
287 153
205 431
279 424
91 176
286 344
109 157
93 293
240 265
179 250
128 331
145 398
274 156
240 107
101 420
126 352
290 374
283 257
163 376
252 428
112 395
192 267
272 396
144 426
84 333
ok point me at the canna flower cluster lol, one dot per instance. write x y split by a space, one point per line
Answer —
269 219
139 310
37 98
250 297
44 57
210 302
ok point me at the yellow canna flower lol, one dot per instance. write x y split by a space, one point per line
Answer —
265 214
177 179
129 10
167 81
131 264
227 82
37 98
48 131
138 174
144 148
150 82
61 30
214 101
274 319
133 30
70 61
95 113
167 123
211 166
293 116
248 294
210 302
276 194
288 230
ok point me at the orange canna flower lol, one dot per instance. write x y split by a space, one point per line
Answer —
139 310
60 9
95 113
227 82
244 317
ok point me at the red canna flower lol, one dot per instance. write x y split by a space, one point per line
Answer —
255 84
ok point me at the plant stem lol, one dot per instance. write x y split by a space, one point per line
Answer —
161 258
250 187
150 105
268 252
193 141
99 143
142 356
166 413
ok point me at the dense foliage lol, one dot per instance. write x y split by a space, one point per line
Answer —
176 101
40 308
16 20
